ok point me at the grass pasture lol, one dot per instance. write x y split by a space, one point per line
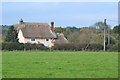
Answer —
20 64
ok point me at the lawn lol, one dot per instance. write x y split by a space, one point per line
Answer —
20 64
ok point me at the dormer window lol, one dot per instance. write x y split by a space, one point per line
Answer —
33 39
47 39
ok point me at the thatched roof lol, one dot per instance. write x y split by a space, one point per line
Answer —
61 39
35 30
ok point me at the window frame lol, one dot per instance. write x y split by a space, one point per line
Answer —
32 39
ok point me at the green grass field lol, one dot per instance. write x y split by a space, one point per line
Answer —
19 64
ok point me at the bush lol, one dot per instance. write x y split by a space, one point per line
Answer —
113 47
78 47
20 46
60 47
95 47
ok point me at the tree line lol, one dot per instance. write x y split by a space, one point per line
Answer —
93 35
87 36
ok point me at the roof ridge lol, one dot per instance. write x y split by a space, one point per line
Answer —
35 22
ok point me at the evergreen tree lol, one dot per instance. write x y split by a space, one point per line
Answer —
11 35
116 29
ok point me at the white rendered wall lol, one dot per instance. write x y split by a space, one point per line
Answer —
37 41
20 37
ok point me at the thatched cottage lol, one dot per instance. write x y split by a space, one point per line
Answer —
39 33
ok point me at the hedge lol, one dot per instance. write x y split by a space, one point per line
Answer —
78 47
20 46
113 47
58 47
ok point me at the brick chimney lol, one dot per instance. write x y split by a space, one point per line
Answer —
20 21
52 26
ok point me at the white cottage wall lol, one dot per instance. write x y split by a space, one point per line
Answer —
22 39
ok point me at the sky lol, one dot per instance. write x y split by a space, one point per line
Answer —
79 14
60 0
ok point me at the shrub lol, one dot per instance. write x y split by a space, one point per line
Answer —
95 47
113 47
20 46
78 47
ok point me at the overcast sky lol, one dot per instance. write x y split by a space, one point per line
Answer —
79 14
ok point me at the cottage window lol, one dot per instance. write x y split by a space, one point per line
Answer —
47 39
33 39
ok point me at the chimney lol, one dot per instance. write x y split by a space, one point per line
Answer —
20 21
52 26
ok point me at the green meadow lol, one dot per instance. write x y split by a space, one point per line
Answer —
35 64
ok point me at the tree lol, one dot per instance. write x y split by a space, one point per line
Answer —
116 34
87 37
11 35
4 30
116 29
72 29
73 37
99 27
59 30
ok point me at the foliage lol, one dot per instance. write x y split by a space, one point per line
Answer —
99 27
3 32
34 64
112 47
87 35
59 30
73 37
72 29
78 47
11 35
20 46
116 29
66 31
